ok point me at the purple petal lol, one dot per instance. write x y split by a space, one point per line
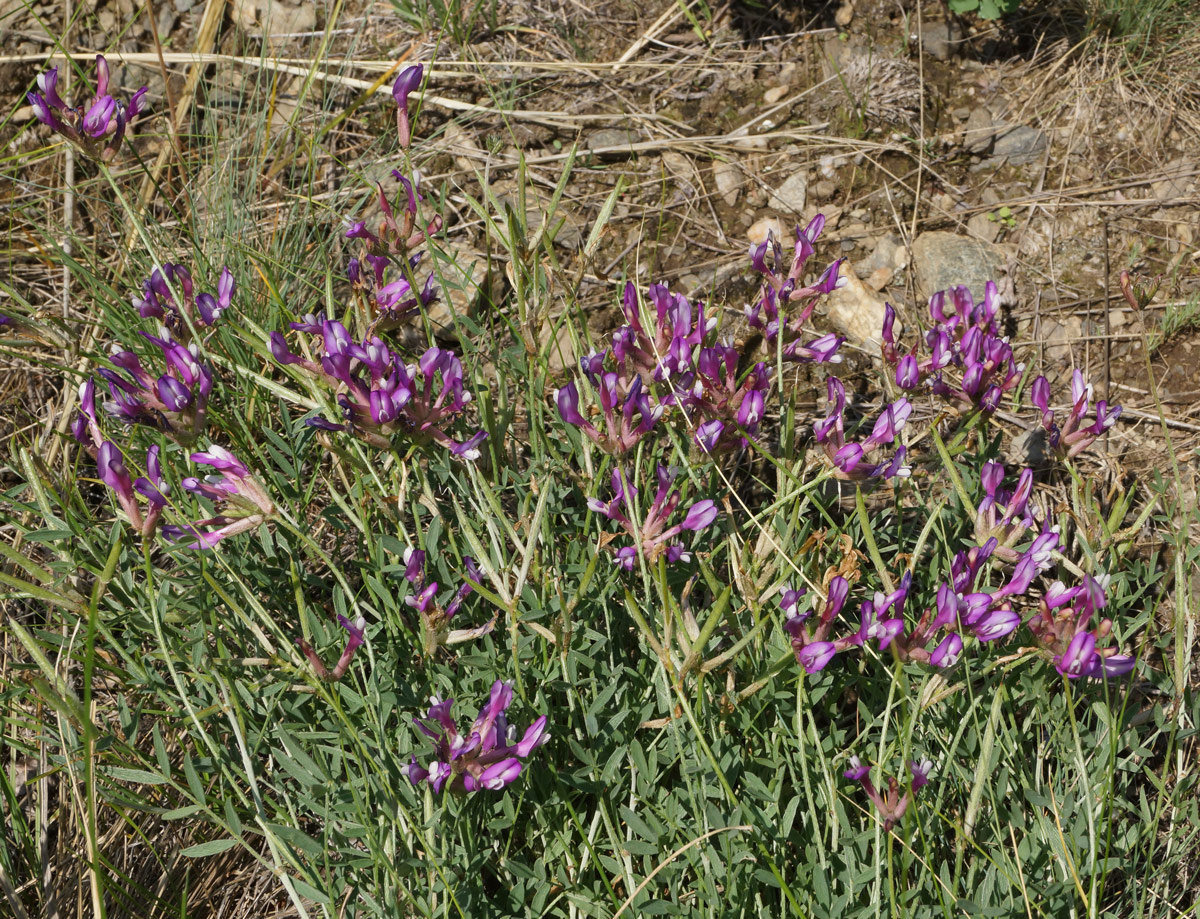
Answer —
535 735
816 656
408 80
947 653
701 515
496 776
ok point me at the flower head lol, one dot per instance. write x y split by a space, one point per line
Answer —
97 127
482 758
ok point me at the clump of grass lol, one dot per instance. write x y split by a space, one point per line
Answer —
1178 316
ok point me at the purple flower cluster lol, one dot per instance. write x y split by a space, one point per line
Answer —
726 412
484 757
176 401
240 500
99 129
625 374
629 415
203 310
850 458
1061 627
110 466
380 395
1073 437
385 271
664 351
892 803
1003 514
967 361
389 299
647 371
435 618
654 532
780 290
962 606
880 620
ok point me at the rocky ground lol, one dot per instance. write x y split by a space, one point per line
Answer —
941 151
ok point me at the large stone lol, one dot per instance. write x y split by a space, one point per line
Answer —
729 181
792 195
939 39
464 279
1178 174
979 130
889 253
1021 145
276 19
981 226
761 230
855 310
942 260
612 141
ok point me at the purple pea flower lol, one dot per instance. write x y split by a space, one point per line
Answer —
481 759
654 532
435 618
241 501
892 804
815 656
849 459
110 465
1003 513
782 286
97 128
380 394
1064 628
1075 435
408 81
967 360
948 652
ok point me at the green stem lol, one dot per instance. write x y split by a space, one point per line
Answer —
869 537
951 469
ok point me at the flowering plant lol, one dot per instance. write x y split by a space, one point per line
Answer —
483 758
97 128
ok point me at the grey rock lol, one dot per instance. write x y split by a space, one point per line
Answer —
554 340
942 260
824 190
855 310
761 229
465 279
729 181
608 138
273 18
981 228
167 17
182 6
792 194
1029 448
979 130
566 227
1021 145
1178 173
888 253
939 39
